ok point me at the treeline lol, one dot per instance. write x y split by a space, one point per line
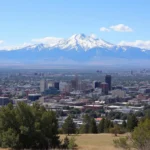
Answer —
90 126
33 127
105 125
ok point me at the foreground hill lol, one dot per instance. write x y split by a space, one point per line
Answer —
95 141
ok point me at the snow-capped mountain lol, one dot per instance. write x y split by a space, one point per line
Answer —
81 41
75 42
78 49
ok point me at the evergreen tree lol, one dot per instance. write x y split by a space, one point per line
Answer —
147 113
85 128
124 124
66 142
101 126
131 122
93 126
111 125
26 127
107 124
69 126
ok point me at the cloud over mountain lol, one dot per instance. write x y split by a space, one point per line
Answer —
104 29
121 28
1 41
117 28
137 43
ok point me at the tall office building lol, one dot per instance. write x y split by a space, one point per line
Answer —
96 84
56 85
43 85
75 83
104 87
108 81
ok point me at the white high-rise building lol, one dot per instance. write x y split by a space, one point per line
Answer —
43 85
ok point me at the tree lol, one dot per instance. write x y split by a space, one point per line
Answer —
66 142
131 122
104 125
93 126
139 114
26 127
9 138
101 126
139 140
115 115
124 124
124 117
107 125
147 113
115 130
75 111
93 114
88 110
85 128
69 126
141 135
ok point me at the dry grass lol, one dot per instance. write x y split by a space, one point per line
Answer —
95 141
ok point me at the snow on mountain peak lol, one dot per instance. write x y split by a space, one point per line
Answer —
78 36
76 41
81 41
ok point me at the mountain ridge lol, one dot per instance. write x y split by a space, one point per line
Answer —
76 41
78 49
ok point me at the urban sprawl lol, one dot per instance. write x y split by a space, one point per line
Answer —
76 93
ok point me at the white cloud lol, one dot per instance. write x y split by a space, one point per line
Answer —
93 36
121 28
15 47
1 41
46 40
49 41
137 43
104 29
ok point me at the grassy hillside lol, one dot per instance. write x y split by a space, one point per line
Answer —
95 141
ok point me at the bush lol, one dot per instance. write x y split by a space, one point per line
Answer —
122 143
60 131
115 130
139 140
66 143
72 143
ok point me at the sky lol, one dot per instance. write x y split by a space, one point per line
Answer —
125 22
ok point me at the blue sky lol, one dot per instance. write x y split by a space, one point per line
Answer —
24 20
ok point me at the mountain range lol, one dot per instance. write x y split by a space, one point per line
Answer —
79 49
